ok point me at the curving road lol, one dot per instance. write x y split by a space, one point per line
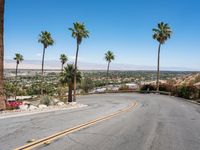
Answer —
157 123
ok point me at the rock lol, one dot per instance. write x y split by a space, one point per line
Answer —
60 103
26 103
73 103
42 106
32 107
23 107
55 101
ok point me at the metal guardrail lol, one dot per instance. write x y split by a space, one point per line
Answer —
157 92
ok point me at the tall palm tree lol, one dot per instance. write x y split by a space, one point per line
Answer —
63 59
79 32
19 58
67 77
162 33
2 96
46 40
109 56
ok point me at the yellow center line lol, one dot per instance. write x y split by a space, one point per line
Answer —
73 129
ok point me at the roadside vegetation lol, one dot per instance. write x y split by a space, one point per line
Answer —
187 87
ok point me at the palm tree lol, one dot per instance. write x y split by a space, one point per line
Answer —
19 58
109 56
46 40
79 32
162 33
67 77
2 96
63 59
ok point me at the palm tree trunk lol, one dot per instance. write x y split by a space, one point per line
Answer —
62 68
2 96
43 61
74 99
108 67
70 94
158 69
16 69
16 81
42 71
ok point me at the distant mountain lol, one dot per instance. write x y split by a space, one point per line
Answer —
54 64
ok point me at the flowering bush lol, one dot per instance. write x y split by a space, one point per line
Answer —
13 104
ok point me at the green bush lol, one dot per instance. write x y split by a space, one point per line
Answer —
10 89
87 84
166 87
34 89
188 92
46 100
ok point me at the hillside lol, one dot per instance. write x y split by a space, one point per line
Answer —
193 79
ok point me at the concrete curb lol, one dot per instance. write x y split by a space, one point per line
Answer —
27 113
194 102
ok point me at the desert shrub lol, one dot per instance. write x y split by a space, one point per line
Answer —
49 88
34 89
87 84
188 92
61 91
46 100
10 89
21 90
166 87
197 78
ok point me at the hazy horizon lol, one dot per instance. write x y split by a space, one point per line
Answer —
56 65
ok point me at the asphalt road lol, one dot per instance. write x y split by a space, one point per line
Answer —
157 123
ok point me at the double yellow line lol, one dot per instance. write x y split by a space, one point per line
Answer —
76 128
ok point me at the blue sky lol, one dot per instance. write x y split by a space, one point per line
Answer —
123 26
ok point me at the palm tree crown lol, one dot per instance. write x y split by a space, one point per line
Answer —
68 75
18 57
63 58
162 32
109 56
79 32
46 39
